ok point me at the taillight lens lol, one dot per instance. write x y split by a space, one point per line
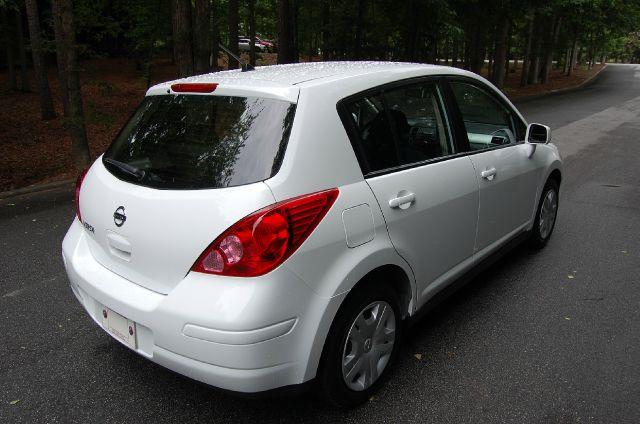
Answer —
79 181
260 242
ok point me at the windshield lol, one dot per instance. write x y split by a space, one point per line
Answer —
196 142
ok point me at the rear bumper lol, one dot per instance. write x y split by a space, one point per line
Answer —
244 335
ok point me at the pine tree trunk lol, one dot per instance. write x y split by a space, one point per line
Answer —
500 56
252 32
573 56
201 36
39 67
550 47
182 36
150 47
232 20
534 60
524 78
215 35
294 9
60 59
357 50
286 33
326 33
66 46
477 48
22 54
455 51
9 44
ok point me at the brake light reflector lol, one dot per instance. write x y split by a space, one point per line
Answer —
195 87
259 242
79 181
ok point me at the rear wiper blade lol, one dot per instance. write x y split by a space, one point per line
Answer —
126 168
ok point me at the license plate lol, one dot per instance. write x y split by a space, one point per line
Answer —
119 327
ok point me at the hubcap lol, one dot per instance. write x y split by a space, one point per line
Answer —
548 213
369 344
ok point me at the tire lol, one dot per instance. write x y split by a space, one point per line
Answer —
545 221
331 383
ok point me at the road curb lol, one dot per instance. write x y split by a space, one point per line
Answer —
582 85
35 188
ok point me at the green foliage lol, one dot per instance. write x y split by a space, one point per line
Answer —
418 30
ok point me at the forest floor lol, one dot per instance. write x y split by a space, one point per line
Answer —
37 152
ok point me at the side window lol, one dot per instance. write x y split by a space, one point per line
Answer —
412 130
487 121
419 124
374 132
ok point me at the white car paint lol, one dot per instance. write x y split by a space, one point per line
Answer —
259 333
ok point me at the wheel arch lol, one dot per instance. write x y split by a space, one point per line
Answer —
555 175
380 274
394 277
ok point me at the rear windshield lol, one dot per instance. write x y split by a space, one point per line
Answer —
201 141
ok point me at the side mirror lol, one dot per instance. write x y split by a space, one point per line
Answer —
538 133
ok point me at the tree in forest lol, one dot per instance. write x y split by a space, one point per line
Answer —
201 36
22 54
503 26
69 76
39 66
287 49
182 36
8 42
252 32
233 20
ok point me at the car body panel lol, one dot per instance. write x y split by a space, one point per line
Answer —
437 230
165 230
508 197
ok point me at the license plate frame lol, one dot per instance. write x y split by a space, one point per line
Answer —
119 327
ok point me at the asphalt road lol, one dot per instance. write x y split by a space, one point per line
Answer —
552 336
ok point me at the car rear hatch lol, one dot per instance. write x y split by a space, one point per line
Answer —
184 169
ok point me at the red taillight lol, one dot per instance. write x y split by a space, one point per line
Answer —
195 87
79 181
260 242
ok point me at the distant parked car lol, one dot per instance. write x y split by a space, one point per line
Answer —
254 230
268 45
243 46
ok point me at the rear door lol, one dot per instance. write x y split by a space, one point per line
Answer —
507 177
427 192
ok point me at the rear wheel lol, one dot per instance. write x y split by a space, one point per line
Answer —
361 345
546 215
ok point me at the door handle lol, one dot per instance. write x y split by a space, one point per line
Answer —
488 174
402 202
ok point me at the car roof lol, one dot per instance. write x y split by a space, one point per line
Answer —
283 78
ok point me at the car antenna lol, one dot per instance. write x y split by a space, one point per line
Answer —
245 66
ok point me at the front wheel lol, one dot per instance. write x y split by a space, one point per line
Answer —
361 345
546 215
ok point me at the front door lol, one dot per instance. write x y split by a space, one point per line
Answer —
507 176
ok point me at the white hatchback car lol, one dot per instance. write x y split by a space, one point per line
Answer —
262 229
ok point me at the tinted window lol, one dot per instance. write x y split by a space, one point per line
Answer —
374 132
487 121
411 129
418 121
195 141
